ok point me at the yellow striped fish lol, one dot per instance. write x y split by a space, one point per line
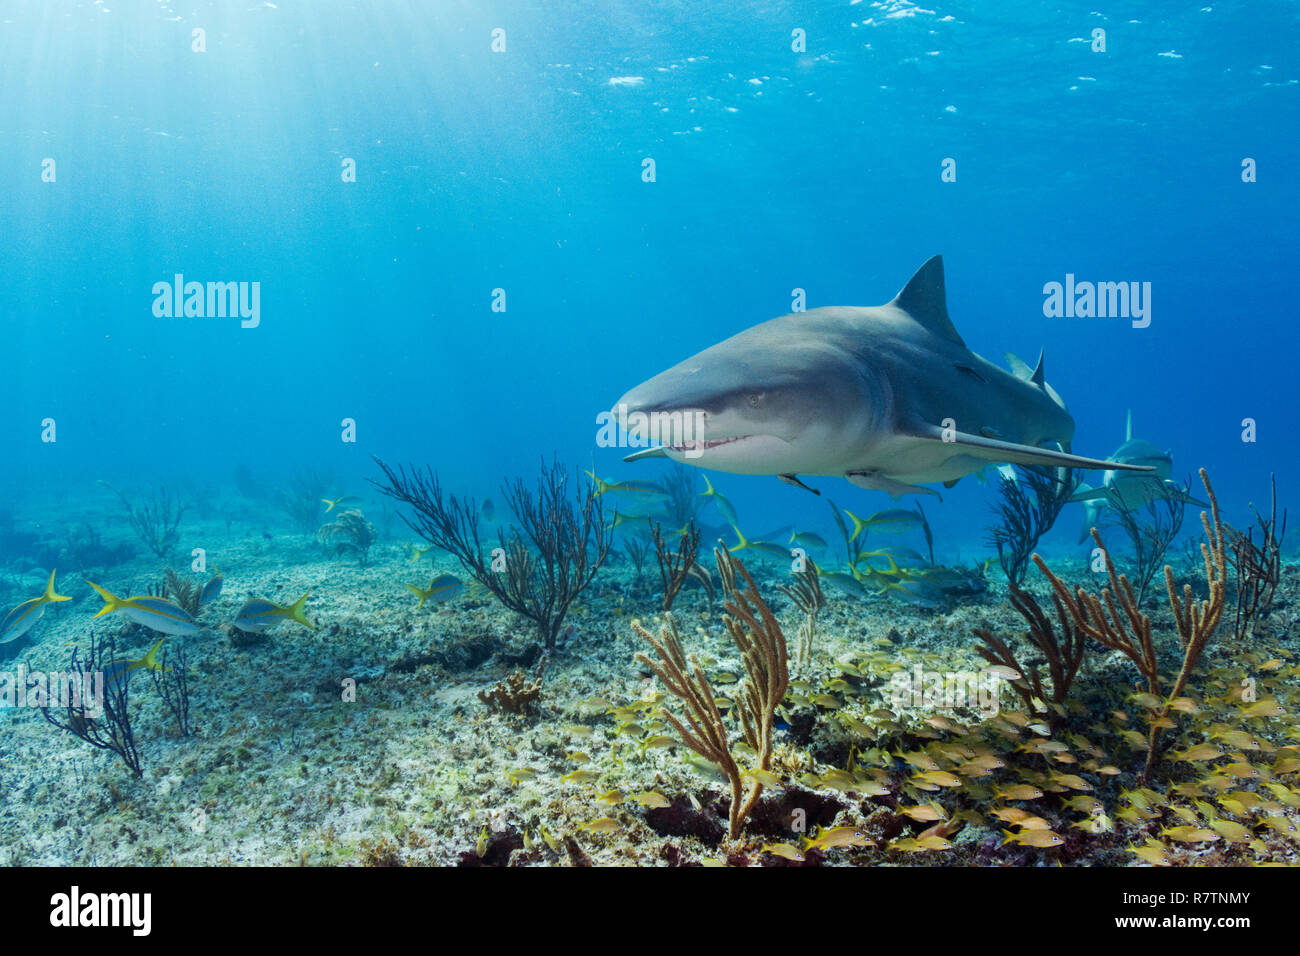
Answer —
155 613
21 619
260 615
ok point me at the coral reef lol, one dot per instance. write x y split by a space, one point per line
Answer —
674 566
184 591
301 500
1030 503
681 504
1150 536
517 694
156 520
1064 655
886 748
349 533
637 548
758 637
172 682
1115 620
570 535
806 593
80 546
111 730
1257 567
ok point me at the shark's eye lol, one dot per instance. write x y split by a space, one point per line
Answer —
755 400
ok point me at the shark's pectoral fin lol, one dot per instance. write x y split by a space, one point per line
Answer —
993 449
794 480
656 452
1180 494
875 481
950 484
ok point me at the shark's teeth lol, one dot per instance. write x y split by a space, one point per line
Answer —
693 444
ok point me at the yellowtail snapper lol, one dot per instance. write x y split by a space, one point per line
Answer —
915 591
212 590
780 552
860 527
725 508
893 521
260 615
625 487
155 613
844 580
808 540
20 620
114 670
442 589
332 503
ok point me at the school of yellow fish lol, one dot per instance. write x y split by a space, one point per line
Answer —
1226 791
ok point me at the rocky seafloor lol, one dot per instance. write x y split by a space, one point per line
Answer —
280 769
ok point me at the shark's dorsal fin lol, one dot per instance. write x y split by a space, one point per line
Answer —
1034 376
1018 368
1128 426
923 298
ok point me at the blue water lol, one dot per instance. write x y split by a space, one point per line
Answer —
522 170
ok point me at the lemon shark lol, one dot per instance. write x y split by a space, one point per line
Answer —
888 397
1127 491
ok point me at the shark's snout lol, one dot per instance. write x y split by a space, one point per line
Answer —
720 414
717 414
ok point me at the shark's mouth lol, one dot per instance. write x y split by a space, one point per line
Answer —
739 454
708 443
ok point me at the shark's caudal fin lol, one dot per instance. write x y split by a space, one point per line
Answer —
1016 454
924 299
